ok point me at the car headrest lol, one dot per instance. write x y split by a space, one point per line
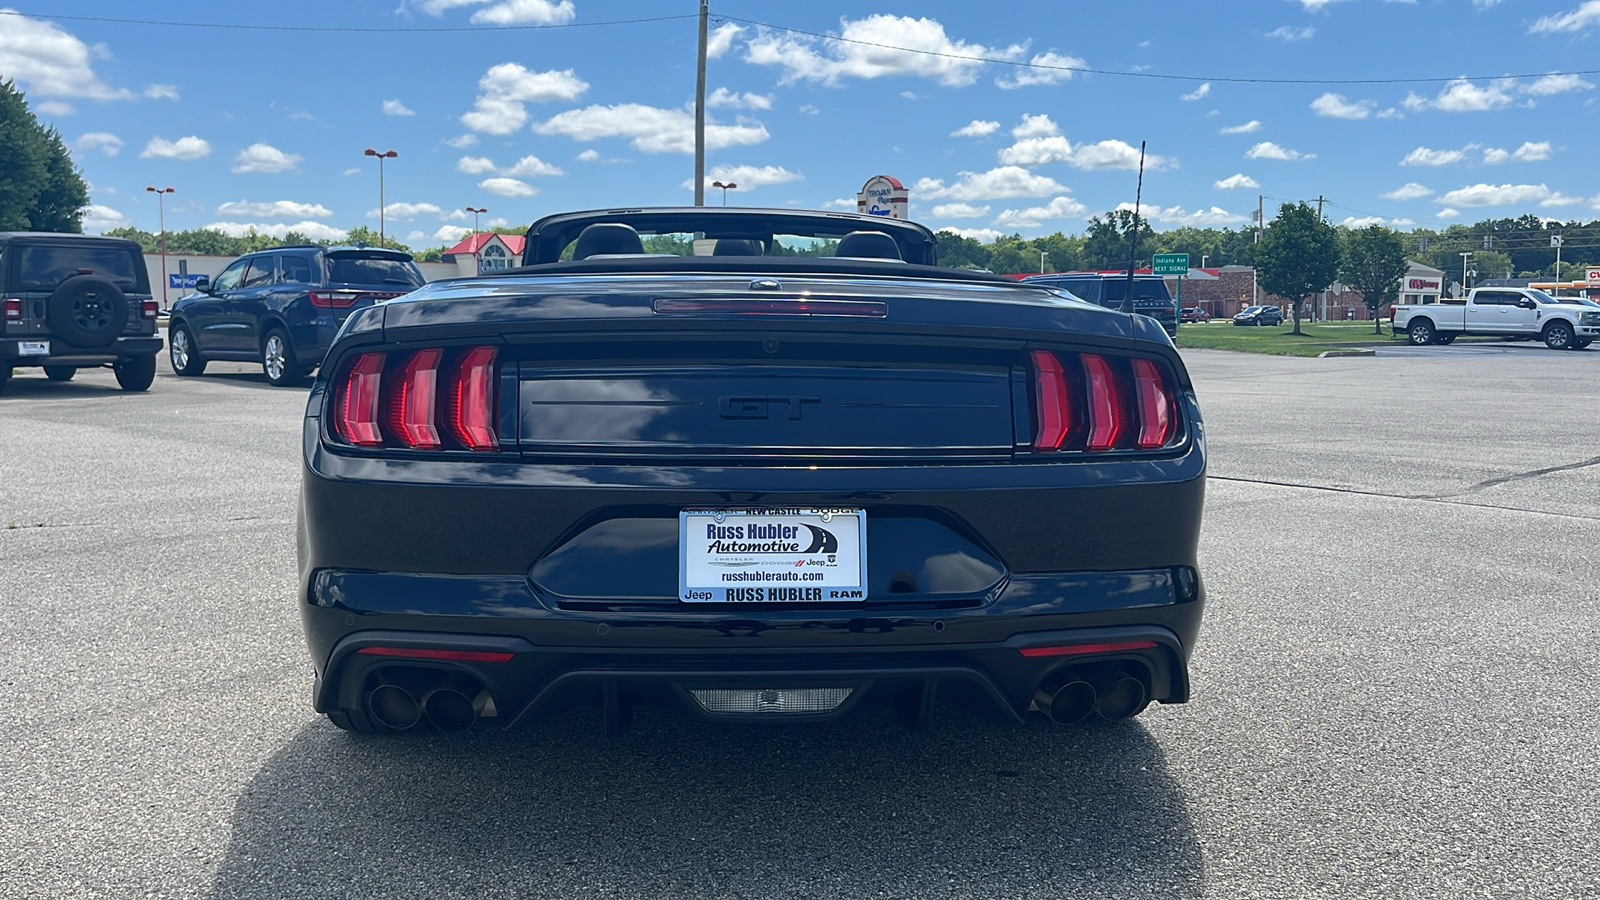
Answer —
605 239
868 245
738 247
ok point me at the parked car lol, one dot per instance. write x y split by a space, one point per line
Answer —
1259 315
1150 295
1193 314
72 301
1513 313
757 486
283 306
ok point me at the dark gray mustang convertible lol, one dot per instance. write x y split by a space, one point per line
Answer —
766 465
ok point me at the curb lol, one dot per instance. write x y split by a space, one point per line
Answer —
1347 351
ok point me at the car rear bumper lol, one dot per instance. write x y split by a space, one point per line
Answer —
64 354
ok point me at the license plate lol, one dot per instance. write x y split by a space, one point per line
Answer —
772 555
33 348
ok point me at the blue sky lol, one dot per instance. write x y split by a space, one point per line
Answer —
266 128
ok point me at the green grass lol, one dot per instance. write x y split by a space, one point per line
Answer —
1224 335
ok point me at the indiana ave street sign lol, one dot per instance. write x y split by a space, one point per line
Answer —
1171 264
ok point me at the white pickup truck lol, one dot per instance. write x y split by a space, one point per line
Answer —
1505 312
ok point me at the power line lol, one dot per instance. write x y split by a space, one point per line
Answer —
338 29
1087 70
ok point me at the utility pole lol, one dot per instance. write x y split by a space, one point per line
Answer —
1133 248
1323 312
1261 222
700 112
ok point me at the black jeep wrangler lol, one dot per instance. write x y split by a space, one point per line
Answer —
72 301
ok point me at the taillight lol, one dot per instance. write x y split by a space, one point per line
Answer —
150 309
334 299
1093 402
471 416
1107 419
411 402
355 403
1155 406
13 308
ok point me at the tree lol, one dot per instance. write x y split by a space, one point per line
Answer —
62 197
1374 262
1109 241
362 235
1298 256
23 160
960 252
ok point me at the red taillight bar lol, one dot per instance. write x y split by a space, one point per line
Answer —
1052 408
1156 418
411 405
471 411
355 404
334 299
13 307
1107 417
431 653
1075 649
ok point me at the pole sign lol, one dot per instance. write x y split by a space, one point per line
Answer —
183 281
1170 264
883 195
1594 276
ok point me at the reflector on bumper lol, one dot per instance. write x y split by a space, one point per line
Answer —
771 700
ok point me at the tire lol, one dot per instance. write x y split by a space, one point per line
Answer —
87 311
1443 338
60 373
277 360
135 373
182 352
1420 333
1583 344
1558 336
5 376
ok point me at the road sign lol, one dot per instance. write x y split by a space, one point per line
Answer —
1171 264
183 281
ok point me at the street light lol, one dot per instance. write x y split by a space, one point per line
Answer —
387 154
477 260
725 189
1465 255
1203 258
1042 255
161 204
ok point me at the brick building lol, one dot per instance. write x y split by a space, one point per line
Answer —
1225 291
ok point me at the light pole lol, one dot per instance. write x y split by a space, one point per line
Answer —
1203 258
1465 255
477 260
387 154
725 189
1042 255
161 204
1556 242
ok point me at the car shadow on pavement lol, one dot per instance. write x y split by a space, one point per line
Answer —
25 383
684 809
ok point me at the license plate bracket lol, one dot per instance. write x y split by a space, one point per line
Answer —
772 555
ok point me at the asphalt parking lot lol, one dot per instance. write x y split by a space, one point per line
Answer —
1393 696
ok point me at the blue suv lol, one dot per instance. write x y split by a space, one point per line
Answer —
1150 295
283 306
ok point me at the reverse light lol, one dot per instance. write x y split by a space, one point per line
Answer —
1156 418
1107 412
471 401
1077 649
1051 405
355 403
434 653
411 404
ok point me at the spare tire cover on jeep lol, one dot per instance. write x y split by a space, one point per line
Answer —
87 311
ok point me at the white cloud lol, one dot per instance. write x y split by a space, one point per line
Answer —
1528 152
1037 151
274 209
721 39
1034 216
55 108
1447 214
498 222
1422 156
984 235
353 170
995 184
1199 92
724 98
960 211
1035 126
461 142
749 177
531 165
976 128
1462 95
1250 127
1178 217
1335 106
1493 195
1109 154
1363 221
1054 69
652 130
161 92
104 217
49 61
508 187
403 212
943 59
1269 150
190 147
1391 113
1551 84
1409 191
396 108
106 143
505 88
450 234
1289 33
589 155
1584 15
476 165
1235 182
265 158
1560 199
316 231
526 12
810 109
